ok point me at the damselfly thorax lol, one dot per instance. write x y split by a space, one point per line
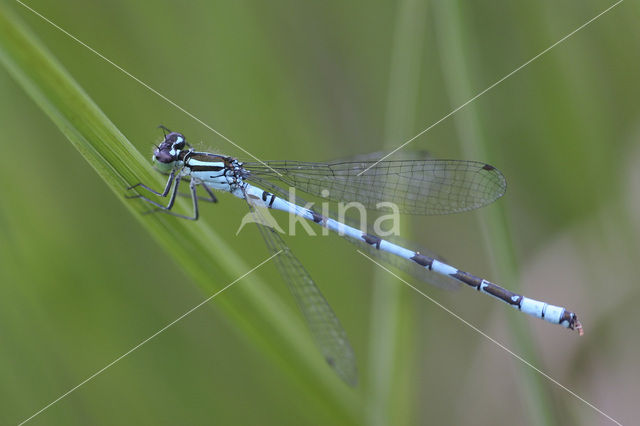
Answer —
216 171
213 171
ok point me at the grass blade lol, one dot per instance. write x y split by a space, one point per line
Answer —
261 316
393 342
454 40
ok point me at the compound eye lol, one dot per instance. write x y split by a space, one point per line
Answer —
164 157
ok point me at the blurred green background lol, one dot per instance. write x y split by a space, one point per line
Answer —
82 282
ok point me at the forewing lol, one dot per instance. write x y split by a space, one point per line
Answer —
425 187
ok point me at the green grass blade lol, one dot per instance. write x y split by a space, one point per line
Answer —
261 316
454 41
392 348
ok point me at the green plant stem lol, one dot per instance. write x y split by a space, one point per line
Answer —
453 42
391 349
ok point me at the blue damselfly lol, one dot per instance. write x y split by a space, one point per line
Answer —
416 186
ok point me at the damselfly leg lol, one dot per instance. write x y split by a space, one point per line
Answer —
212 197
176 184
164 193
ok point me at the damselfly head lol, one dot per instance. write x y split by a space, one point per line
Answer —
167 152
174 140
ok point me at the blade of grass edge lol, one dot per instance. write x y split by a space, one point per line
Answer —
196 248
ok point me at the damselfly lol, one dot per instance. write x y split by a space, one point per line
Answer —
426 187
